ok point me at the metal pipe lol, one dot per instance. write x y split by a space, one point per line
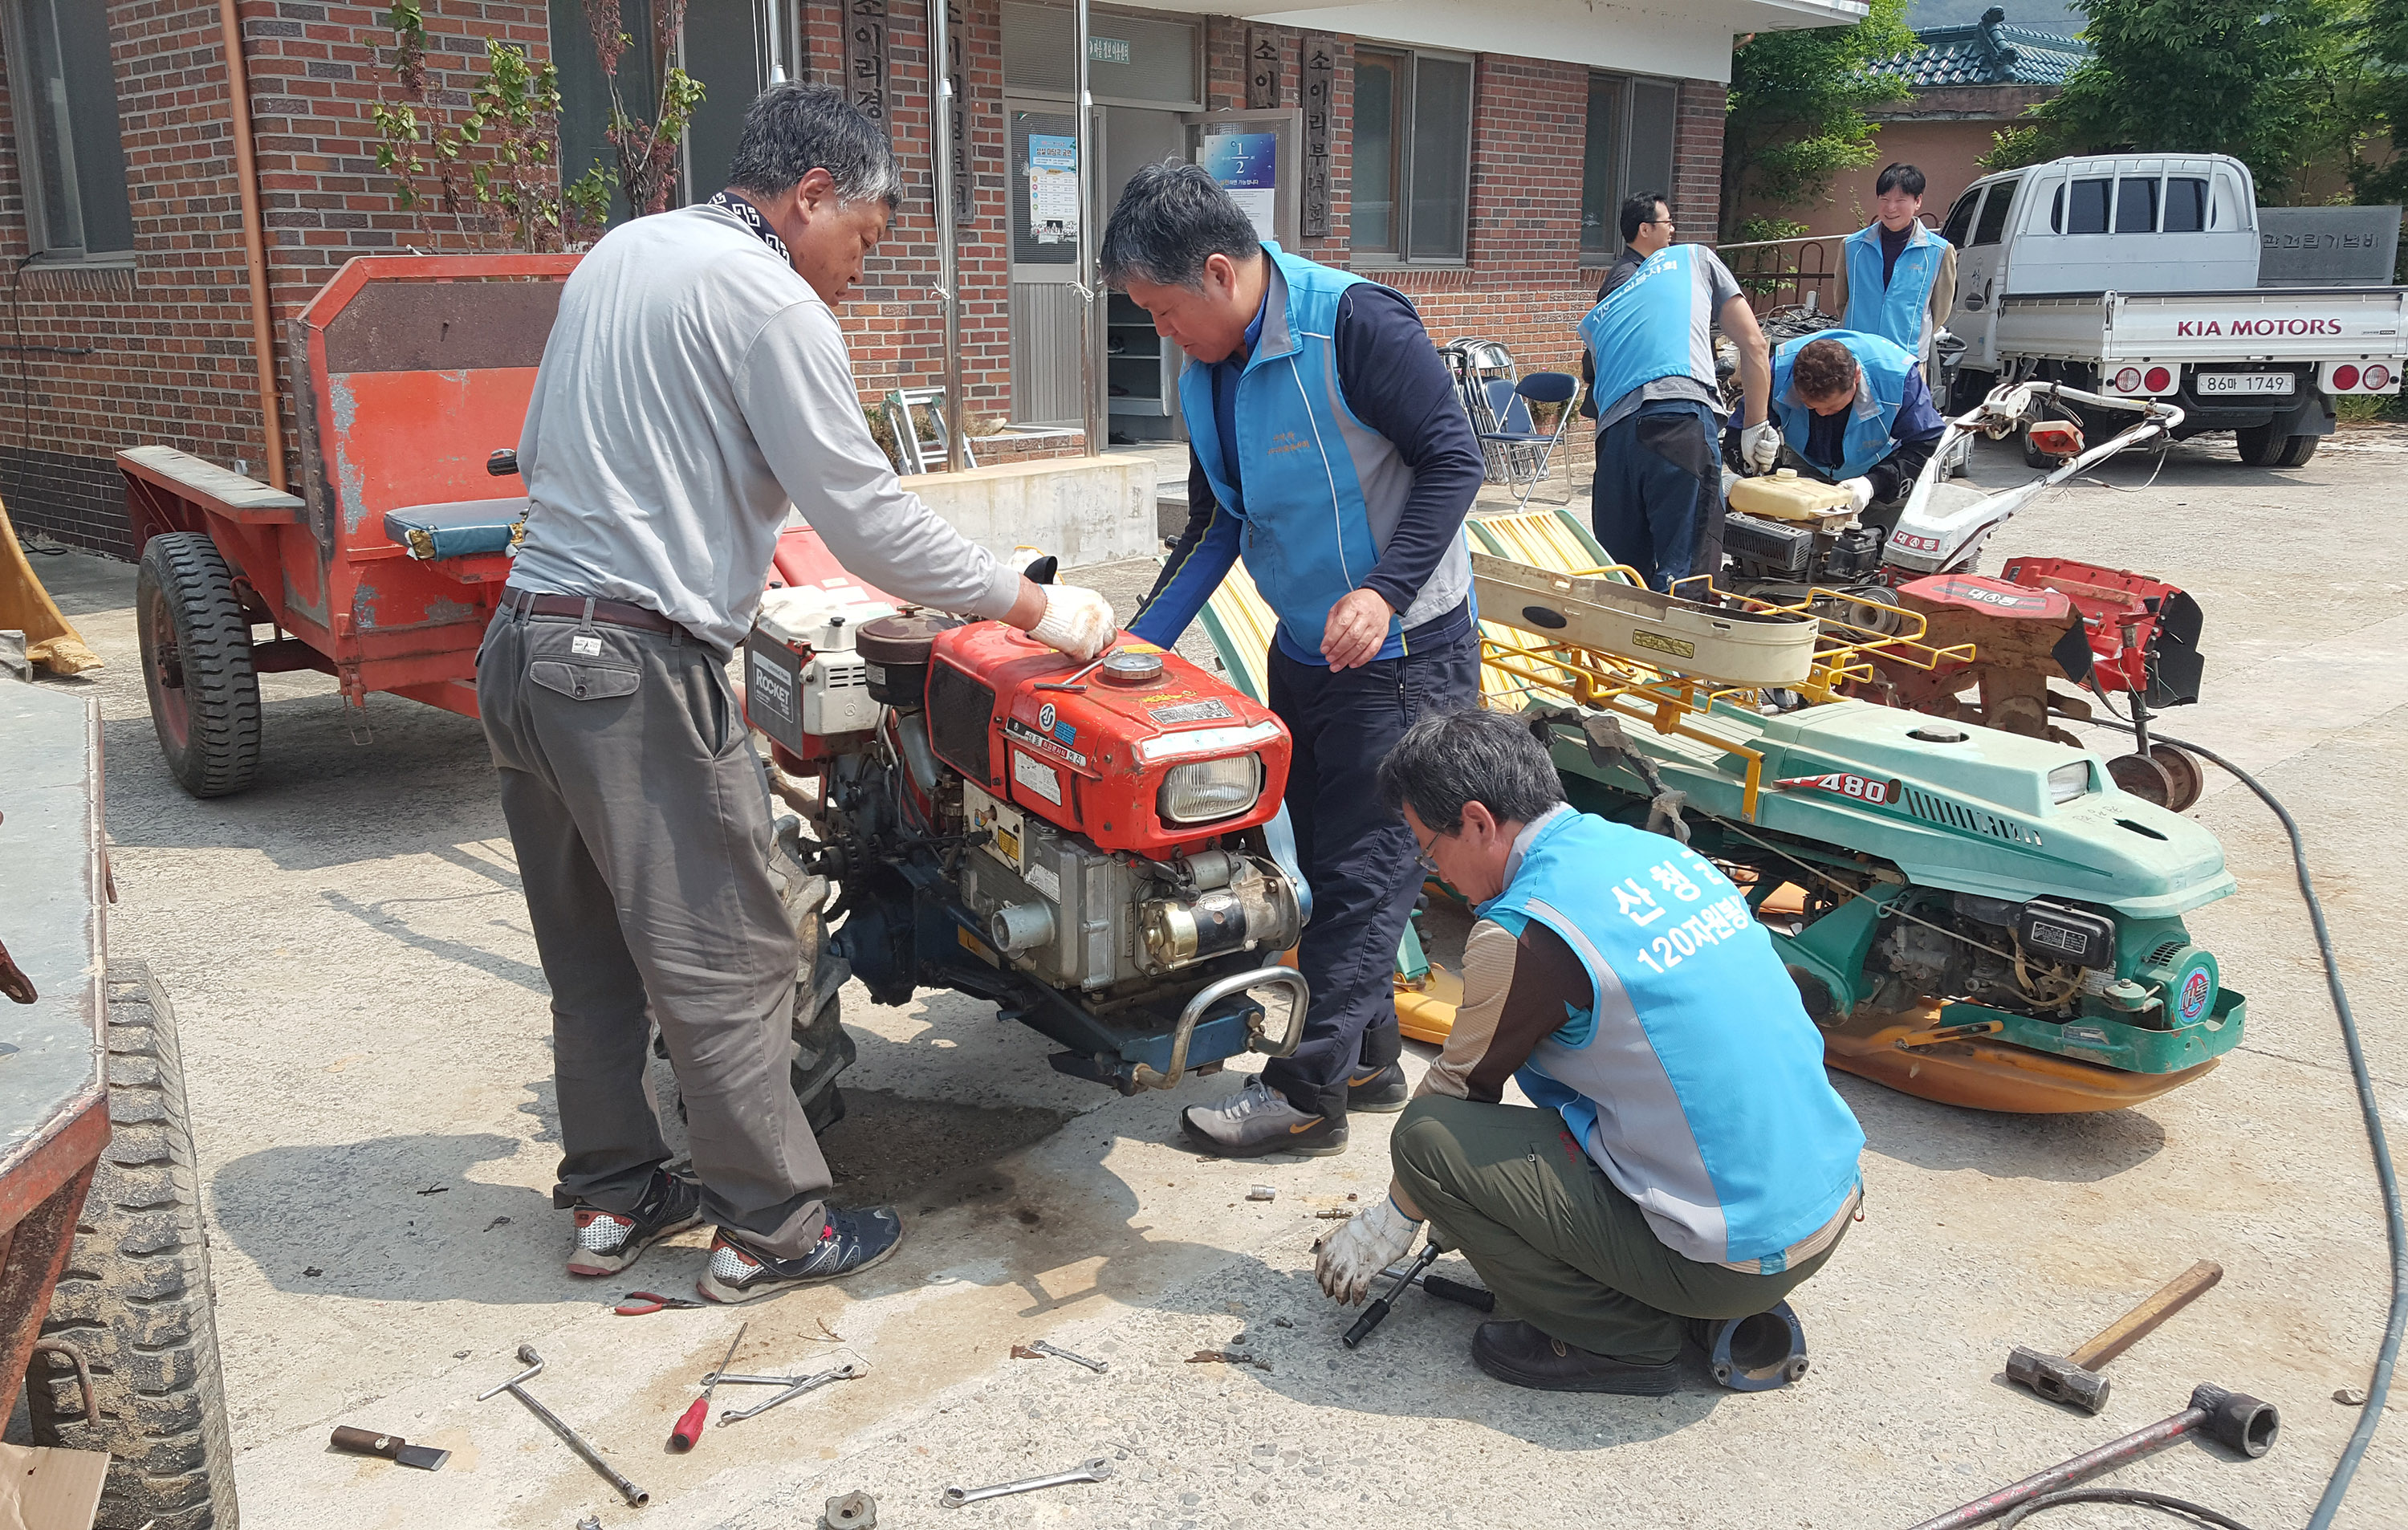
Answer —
777 19
245 171
949 276
1184 1033
1091 392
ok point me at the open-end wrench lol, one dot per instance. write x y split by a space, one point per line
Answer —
1093 1470
1099 1366
796 1386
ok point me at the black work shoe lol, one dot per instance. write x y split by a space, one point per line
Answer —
1379 1090
1258 1120
850 1243
609 1241
1519 1353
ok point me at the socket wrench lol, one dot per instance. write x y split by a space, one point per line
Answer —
516 1388
1093 1470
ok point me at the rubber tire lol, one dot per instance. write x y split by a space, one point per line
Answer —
2261 447
2034 456
135 1298
185 587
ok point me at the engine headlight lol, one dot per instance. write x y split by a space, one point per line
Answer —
2069 781
1204 791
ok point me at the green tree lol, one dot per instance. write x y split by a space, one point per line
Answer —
1797 106
2251 79
2380 33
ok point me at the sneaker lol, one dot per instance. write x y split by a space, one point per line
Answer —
850 1243
1521 1354
609 1241
1380 1090
1257 1121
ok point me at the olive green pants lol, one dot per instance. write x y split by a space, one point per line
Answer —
1507 1187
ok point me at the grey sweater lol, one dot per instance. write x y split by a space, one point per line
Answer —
692 385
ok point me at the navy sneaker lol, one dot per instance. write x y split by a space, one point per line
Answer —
850 1242
609 1241
1379 1090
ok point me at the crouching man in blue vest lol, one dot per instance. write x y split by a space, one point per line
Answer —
1853 411
1686 1156
1328 449
1658 501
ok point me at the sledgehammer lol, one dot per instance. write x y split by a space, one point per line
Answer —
2074 1378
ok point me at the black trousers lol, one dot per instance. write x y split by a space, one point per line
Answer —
1358 858
1658 501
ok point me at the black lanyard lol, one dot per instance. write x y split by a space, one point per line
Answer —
752 220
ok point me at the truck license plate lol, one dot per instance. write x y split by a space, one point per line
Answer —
2245 382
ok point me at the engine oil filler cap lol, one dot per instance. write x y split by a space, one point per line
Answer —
1131 668
1930 733
896 649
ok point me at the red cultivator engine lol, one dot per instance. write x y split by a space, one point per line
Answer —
2097 629
1096 849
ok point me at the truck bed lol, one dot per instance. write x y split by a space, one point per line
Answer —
2291 326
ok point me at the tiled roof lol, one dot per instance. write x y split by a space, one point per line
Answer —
1989 52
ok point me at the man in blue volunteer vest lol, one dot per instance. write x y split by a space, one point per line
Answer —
1853 410
1658 502
1326 448
1687 1156
1897 280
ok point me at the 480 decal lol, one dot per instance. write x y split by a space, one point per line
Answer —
1878 793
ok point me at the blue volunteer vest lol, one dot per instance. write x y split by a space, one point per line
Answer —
1307 536
1898 312
1881 387
1696 1082
1644 328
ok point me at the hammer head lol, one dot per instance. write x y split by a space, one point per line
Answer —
2057 1378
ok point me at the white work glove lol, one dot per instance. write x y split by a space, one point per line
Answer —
1860 492
1077 621
1352 1256
1760 445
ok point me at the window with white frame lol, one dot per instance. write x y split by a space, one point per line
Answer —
76 202
1412 194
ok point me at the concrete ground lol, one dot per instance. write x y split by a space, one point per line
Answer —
365 1027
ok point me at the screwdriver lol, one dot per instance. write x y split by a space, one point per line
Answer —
689 1427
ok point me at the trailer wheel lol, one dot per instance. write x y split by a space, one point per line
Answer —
196 664
136 1298
2261 447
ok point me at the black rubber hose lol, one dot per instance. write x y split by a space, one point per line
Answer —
2162 1503
2337 1486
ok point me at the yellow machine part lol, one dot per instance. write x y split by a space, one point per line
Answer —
1985 1075
50 639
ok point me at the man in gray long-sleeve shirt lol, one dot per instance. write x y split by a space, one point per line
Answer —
694 381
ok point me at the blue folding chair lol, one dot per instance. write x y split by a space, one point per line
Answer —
1516 449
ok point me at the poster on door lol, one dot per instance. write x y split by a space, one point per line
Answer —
1054 187
1247 165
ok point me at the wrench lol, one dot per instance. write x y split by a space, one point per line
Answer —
845 1372
1093 1470
1099 1366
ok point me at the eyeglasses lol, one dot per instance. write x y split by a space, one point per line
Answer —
1429 854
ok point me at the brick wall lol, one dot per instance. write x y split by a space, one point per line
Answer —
161 352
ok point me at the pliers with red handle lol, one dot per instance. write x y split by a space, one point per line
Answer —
636 1303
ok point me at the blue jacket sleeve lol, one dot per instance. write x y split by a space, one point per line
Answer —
1916 430
1394 383
1196 566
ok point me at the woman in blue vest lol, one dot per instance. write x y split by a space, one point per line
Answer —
1326 447
1853 410
1897 280
1686 1156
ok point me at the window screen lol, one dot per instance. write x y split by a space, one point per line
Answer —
66 105
1441 159
1040 54
2136 205
1601 190
2186 204
1378 81
2085 208
1993 224
1960 218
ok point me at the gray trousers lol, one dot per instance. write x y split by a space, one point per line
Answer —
640 816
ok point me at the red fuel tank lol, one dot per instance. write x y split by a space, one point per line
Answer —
1143 752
